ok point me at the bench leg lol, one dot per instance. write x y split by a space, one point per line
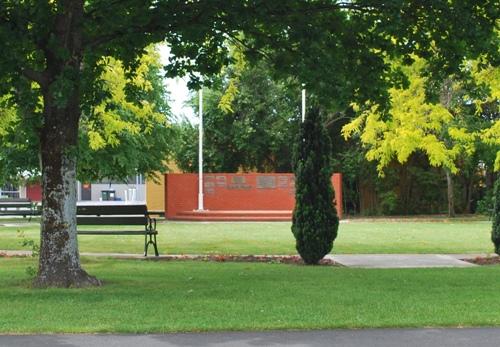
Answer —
150 242
156 248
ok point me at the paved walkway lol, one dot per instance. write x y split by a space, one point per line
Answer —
381 261
338 338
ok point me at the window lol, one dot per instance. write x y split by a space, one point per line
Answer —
9 191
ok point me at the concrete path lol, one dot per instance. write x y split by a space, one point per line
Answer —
337 338
381 261
387 261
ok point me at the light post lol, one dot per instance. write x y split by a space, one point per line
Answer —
200 152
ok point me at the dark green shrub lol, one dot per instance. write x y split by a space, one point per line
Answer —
495 233
315 220
388 202
485 205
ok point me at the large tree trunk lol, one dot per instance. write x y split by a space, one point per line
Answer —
450 194
59 263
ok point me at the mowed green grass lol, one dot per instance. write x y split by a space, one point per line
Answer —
150 296
276 238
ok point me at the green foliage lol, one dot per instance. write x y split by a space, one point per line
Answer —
18 143
250 122
388 202
485 205
131 121
339 50
458 134
445 132
315 220
442 131
351 48
114 135
495 233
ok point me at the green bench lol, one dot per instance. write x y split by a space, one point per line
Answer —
123 215
17 207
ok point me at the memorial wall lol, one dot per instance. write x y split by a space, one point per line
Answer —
235 192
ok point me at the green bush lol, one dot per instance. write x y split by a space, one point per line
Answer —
388 202
495 233
485 205
315 220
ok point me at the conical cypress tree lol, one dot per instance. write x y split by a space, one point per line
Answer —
315 220
495 233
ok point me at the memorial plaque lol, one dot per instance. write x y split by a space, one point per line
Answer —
266 182
221 181
238 182
209 188
282 181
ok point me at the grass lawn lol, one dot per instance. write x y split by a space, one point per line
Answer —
375 236
149 296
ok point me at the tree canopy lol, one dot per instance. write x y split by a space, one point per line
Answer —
113 134
466 115
250 123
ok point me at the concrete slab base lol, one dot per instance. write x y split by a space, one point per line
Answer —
382 261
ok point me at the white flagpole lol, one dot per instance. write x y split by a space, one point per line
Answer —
303 103
200 152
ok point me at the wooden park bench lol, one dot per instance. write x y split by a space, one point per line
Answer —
126 215
17 207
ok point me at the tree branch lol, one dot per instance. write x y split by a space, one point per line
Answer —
36 76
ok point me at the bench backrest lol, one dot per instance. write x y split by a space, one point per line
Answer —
112 215
15 203
15 200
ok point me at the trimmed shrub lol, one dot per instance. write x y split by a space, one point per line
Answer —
315 220
495 233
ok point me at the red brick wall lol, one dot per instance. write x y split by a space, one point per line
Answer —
236 192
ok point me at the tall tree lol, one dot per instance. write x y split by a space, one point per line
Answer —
447 132
315 221
250 122
59 45
113 134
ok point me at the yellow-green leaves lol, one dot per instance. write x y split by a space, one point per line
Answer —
117 114
490 77
227 99
416 125
492 136
7 115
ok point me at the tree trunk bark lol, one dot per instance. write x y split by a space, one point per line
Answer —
468 195
450 194
59 262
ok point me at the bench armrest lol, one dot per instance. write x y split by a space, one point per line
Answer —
151 223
